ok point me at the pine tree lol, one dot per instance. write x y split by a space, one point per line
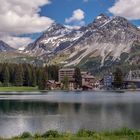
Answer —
33 77
65 82
27 76
19 76
78 77
12 68
6 76
53 72
42 79
118 78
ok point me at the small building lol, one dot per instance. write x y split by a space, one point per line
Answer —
52 84
87 87
108 81
88 81
132 79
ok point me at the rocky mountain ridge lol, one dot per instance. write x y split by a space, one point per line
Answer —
106 38
4 47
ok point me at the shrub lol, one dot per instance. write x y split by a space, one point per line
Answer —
51 133
96 136
124 131
85 133
137 132
15 137
66 135
107 133
26 135
37 135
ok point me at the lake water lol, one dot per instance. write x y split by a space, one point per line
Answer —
67 111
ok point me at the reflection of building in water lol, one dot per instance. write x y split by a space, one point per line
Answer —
41 116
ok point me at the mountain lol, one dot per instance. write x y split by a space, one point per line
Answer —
105 41
53 40
5 47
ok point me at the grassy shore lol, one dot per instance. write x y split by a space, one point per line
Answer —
121 134
16 89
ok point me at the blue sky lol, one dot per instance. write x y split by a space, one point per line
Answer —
61 9
22 21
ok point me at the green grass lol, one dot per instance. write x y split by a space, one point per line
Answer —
84 138
120 134
14 88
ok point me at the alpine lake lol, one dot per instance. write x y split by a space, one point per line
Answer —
67 111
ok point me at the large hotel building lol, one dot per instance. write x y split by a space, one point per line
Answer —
66 72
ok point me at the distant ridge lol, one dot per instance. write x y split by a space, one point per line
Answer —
4 47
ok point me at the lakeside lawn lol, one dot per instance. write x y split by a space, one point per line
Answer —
20 89
75 138
121 134
84 138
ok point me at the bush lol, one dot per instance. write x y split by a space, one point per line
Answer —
107 133
136 132
15 137
66 135
37 135
97 136
26 135
51 133
85 133
124 131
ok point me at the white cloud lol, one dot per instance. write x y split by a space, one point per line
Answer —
129 9
16 42
77 16
21 16
85 0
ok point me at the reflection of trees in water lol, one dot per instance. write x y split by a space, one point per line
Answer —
122 108
135 115
125 112
77 107
92 108
9 106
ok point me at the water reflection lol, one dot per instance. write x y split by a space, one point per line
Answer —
34 116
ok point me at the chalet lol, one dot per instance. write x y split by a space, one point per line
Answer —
52 84
88 81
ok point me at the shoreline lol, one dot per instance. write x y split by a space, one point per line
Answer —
81 134
35 90
76 91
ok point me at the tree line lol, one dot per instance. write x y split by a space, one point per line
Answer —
26 75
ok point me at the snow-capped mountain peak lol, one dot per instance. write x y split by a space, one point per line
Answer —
106 38
56 29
